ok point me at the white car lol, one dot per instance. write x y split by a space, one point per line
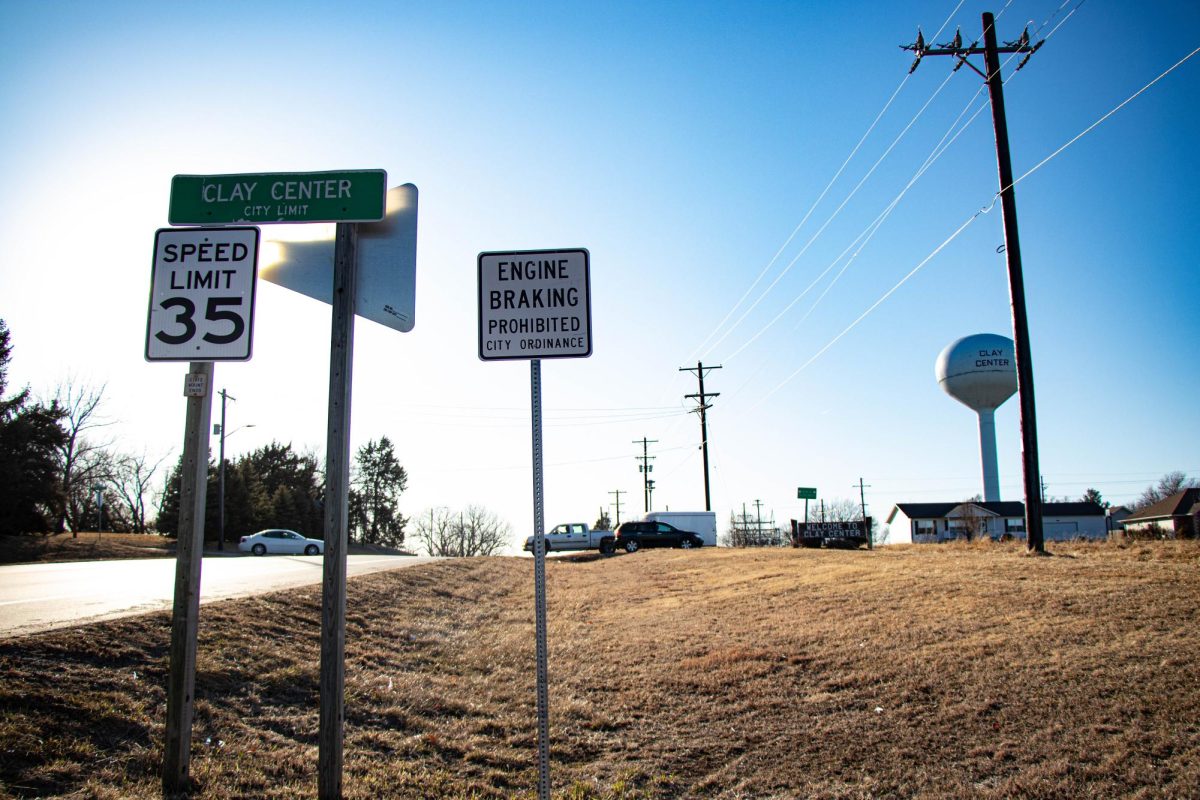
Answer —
277 540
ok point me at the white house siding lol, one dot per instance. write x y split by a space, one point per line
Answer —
1064 529
1163 526
900 529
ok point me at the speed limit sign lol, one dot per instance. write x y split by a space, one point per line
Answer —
202 294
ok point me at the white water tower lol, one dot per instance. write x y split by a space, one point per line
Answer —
980 372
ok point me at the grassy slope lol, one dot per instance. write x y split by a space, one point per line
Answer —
85 546
93 546
906 672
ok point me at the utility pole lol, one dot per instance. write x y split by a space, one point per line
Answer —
645 468
617 493
701 408
1012 246
758 521
862 495
862 499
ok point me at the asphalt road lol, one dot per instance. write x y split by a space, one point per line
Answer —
39 597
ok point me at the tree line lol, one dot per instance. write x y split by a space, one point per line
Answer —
276 487
59 472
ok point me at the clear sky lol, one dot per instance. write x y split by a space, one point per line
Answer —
682 144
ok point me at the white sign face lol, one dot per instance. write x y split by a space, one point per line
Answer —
202 294
195 385
535 304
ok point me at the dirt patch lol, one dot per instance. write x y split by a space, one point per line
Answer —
902 672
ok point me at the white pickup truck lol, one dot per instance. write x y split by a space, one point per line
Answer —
574 536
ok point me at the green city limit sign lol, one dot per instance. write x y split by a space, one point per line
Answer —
343 196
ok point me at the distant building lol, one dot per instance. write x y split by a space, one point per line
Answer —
1177 517
942 522
1116 518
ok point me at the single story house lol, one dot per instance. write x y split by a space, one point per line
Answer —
973 519
1176 517
1116 517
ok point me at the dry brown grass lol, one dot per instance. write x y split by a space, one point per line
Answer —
84 546
961 671
93 546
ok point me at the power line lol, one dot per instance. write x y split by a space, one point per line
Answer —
1095 124
873 306
832 216
869 232
973 217
808 214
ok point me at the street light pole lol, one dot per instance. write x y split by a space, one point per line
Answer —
221 470
221 477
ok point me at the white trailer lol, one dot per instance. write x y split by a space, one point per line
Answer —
701 523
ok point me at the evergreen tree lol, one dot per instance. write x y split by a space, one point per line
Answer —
30 436
375 494
283 489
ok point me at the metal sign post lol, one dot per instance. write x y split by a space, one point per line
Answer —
539 582
202 307
806 493
188 553
337 485
536 304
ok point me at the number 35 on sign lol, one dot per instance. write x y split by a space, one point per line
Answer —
202 294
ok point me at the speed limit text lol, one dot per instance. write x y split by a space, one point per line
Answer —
203 253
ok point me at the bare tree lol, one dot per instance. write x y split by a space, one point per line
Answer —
841 510
132 478
81 459
475 531
972 524
1169 484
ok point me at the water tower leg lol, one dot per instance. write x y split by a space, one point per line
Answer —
987 452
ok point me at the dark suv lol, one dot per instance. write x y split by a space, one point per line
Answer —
634 535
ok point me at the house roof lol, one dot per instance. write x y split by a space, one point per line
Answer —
1180 504
1082 508
1009 508
923 510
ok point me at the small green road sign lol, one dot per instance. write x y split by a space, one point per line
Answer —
344 196
806 494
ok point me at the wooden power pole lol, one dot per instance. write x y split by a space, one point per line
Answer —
1012 247
703 406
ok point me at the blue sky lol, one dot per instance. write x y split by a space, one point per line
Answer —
682 144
